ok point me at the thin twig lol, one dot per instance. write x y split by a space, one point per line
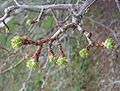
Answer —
118 4
24 85
40 15
16 2
12 66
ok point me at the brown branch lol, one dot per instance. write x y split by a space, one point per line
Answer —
3 48
61 50
28 41
36 55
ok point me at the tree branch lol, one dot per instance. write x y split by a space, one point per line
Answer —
14 9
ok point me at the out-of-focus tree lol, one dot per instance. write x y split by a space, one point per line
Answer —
59 45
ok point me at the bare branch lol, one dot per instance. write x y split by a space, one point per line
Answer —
85 6
118 4
25 83
16 2
11 10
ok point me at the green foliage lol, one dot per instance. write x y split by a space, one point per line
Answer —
52 60
38 81
13 25
31 64
84 53
61 61
109 43
16 42
48 23
5 40
81 74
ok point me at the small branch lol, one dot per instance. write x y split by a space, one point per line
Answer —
106 27
25 83
12 67
46 79
7 12
60 30
52 6
6 25
87 34
36 55
40 15
54 16
69 7
50 49
85 6
16 3
3 48
61 50
28 41
118 4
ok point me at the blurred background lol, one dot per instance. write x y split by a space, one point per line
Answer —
101 72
